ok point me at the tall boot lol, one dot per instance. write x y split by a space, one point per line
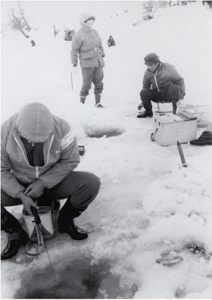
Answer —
98 100
82 99
66 222
16 235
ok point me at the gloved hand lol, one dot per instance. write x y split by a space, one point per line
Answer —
27 202
35 189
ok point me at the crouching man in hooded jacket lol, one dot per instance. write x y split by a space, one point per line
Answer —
161 83
39 153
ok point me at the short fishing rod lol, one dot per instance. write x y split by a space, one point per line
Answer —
41 241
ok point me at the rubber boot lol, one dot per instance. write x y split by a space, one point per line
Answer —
98 101
82 99
16 235
66 222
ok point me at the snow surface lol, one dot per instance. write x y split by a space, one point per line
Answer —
148 203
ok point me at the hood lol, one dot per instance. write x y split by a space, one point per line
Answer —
85 16
35 122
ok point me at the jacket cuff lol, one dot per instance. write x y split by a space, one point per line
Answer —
42 182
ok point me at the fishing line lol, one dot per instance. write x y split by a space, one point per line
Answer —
41 241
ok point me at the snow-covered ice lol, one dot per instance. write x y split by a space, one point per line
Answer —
148 204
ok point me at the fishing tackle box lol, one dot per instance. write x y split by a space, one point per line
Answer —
168 128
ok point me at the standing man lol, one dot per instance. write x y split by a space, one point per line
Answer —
161 83
39 153
87 44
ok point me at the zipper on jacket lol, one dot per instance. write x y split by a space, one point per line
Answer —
156 83
23 153
36 172
47 157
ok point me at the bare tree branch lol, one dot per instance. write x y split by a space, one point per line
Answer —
27 26
17 24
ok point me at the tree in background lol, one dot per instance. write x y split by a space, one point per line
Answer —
149 8
19 23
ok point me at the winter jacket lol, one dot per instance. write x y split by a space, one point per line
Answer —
60 150
87 44
162 78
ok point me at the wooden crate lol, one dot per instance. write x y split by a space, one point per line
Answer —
170 128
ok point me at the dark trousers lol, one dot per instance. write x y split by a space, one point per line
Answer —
171 94
80 188
90 75
148 95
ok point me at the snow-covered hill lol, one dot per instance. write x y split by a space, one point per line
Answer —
147 204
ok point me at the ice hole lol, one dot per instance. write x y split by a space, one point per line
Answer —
76 279
103 132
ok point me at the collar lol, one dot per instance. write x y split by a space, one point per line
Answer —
86 29
158 67
17 136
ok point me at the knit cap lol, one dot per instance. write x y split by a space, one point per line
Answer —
85 16
151 58
35 122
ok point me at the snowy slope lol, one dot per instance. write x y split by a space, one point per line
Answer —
147 204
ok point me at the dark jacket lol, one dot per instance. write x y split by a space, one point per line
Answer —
162 78
111 42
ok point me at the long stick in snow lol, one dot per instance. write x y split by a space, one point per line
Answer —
72 85
181 154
